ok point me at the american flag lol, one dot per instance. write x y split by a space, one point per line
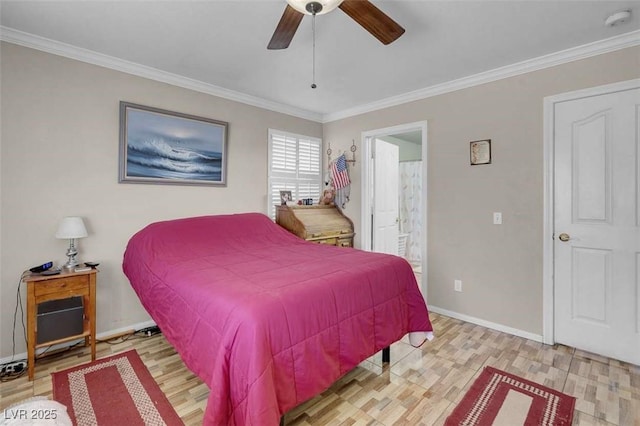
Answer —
339 173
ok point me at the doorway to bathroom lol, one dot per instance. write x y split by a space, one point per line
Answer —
394 188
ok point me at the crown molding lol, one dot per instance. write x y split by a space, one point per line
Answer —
21 38
619 42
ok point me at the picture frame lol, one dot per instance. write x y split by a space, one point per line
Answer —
480 152
284 197
165 147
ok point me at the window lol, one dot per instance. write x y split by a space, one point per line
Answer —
295 165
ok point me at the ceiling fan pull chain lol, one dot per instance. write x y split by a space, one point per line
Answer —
313 29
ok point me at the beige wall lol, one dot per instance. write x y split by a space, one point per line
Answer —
59 157
500 266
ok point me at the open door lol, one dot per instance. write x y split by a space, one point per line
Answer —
374 160
385 198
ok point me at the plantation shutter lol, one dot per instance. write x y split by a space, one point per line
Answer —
295 165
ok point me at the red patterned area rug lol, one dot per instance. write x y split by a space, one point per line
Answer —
118 390
498 398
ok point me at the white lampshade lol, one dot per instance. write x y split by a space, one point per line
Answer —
71 227
327 5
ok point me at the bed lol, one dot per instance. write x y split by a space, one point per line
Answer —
265 319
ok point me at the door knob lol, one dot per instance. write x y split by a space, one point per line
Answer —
564 237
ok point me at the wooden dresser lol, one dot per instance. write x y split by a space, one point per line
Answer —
319 224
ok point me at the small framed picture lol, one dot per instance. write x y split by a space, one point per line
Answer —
480 152
284 197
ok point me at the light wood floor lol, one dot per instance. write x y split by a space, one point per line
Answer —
420 387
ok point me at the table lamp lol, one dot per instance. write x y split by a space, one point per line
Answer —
71 228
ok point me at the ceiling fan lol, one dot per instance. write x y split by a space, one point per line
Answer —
363 12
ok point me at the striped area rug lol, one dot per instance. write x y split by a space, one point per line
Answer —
118 390
498 398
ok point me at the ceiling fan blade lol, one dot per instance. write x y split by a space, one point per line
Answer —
373 20
286 29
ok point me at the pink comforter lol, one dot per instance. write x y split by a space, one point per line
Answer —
265 319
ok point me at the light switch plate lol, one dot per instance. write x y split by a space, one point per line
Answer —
497 218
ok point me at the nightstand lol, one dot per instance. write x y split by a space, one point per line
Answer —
42 288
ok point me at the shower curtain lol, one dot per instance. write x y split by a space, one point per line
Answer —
411 208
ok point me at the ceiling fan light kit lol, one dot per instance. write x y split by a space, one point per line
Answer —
317 7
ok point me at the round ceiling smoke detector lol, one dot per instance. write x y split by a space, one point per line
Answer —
618 18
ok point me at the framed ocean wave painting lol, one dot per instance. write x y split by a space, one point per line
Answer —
159 146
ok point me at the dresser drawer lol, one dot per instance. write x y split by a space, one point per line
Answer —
69 286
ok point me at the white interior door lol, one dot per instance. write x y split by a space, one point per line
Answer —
385 197
596 224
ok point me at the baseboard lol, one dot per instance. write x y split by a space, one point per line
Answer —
23 355
120 330
484 323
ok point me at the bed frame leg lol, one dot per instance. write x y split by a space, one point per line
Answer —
386 355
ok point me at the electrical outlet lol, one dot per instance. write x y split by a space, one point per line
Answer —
457 285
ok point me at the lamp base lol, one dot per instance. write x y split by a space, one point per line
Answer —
71 254
70 265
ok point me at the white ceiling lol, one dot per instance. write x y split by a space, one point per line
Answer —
223 43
